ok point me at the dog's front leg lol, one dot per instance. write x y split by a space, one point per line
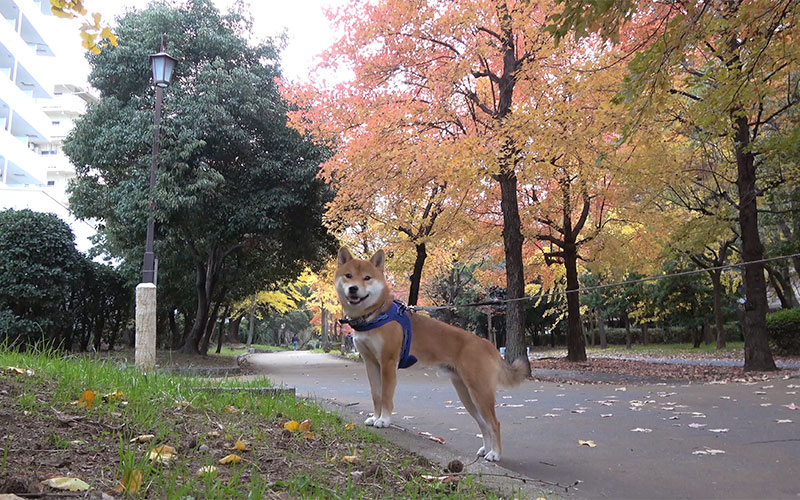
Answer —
374 376
388 372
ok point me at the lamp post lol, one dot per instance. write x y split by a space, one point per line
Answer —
163 65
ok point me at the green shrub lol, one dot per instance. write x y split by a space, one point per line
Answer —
784 331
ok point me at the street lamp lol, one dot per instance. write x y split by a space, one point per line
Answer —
163 65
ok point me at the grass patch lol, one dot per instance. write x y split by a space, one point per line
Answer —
54 431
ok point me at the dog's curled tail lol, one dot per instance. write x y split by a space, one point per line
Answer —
513 374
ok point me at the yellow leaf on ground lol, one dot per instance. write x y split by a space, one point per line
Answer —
240 445
349 426
132 482
305 425
350 459
87 399
590 444
113 396
230 459
162 454
66 483
291 425
230 409
144 438
309 435
207 470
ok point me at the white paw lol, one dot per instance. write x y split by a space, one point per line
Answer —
492 456
370 421
383 422
481 451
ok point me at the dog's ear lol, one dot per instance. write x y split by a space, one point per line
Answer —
344 256
378 260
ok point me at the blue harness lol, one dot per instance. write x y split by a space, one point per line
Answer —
397 312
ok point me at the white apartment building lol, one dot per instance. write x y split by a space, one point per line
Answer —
37 110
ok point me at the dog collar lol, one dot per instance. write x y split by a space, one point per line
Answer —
396 312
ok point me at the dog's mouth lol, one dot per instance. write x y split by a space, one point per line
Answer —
357 300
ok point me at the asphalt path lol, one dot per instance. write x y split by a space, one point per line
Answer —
652 440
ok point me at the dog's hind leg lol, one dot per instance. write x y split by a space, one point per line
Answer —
483 397
466 400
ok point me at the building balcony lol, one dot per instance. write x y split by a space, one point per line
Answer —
19 164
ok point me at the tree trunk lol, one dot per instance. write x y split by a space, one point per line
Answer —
221 328
628 336
757 354
251 322
210 326
416 275
516 347
719 325
601 329
324 321
190 345
783 286
645 334
233 331
490 328
576 344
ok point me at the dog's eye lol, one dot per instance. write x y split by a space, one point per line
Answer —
348 276
367 278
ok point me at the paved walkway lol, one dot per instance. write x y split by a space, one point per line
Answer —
653 441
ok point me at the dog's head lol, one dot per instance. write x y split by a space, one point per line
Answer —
360 284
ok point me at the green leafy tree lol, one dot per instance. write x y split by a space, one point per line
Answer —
237 195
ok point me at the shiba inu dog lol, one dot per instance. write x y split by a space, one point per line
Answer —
473 363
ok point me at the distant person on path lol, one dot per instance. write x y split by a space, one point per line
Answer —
294 342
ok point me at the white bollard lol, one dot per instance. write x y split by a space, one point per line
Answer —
145 326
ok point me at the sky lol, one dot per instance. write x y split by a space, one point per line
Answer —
307 28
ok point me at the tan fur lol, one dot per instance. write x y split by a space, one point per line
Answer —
473 363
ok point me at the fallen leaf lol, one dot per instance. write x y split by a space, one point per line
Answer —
87 399
305 425
349 427
209 470
144 438
240 445
131 482
590 444
113 396
162 454
230 459
19 371
230 409
66 483
213 434
308 435
350 459
291 425
708 451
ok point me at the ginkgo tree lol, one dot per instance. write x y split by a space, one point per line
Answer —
727 69
94 34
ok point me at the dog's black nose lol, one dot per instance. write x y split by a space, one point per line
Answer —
353 290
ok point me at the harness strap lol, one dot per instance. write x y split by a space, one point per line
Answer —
397 312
